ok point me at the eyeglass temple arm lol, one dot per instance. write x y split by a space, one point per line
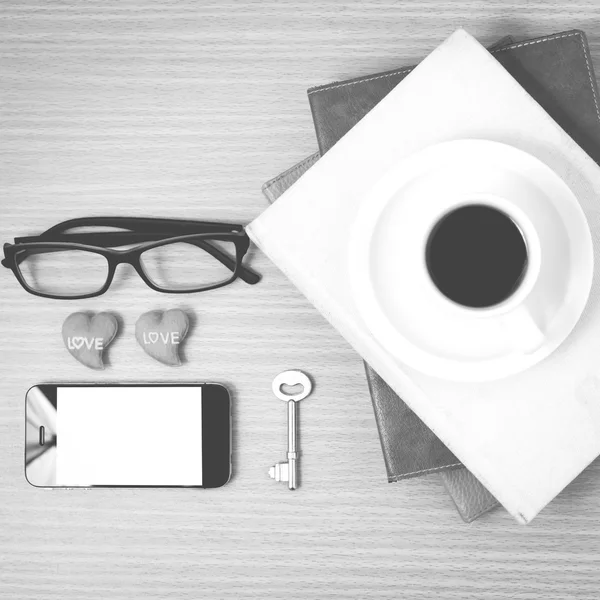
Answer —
244 273
146 224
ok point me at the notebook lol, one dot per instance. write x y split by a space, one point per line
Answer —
516 493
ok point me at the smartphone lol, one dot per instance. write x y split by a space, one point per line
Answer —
128 436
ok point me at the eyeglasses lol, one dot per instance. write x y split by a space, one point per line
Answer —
170 255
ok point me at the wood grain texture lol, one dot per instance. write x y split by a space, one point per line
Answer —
184 109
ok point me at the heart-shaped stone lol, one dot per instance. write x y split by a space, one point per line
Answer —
87 337
160 333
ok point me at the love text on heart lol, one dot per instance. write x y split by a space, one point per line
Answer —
78 342
153 337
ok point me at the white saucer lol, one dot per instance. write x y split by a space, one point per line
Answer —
404 310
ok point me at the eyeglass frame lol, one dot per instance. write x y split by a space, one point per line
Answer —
55 238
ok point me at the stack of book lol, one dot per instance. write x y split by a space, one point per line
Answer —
556 72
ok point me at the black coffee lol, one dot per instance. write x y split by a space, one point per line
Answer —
476 256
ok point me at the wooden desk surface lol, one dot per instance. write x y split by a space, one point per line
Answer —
184 109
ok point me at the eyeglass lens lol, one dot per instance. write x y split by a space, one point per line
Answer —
181 266
63 272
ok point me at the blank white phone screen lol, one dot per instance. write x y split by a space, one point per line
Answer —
129 436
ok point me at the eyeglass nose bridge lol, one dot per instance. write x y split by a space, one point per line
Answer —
128 257
125 257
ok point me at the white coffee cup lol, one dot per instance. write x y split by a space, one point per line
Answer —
406 312
520 317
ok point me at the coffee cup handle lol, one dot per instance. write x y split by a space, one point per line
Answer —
525 329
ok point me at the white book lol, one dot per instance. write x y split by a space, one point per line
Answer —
525 437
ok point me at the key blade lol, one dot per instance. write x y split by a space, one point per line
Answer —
280 472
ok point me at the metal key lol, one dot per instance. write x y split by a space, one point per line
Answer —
288 471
